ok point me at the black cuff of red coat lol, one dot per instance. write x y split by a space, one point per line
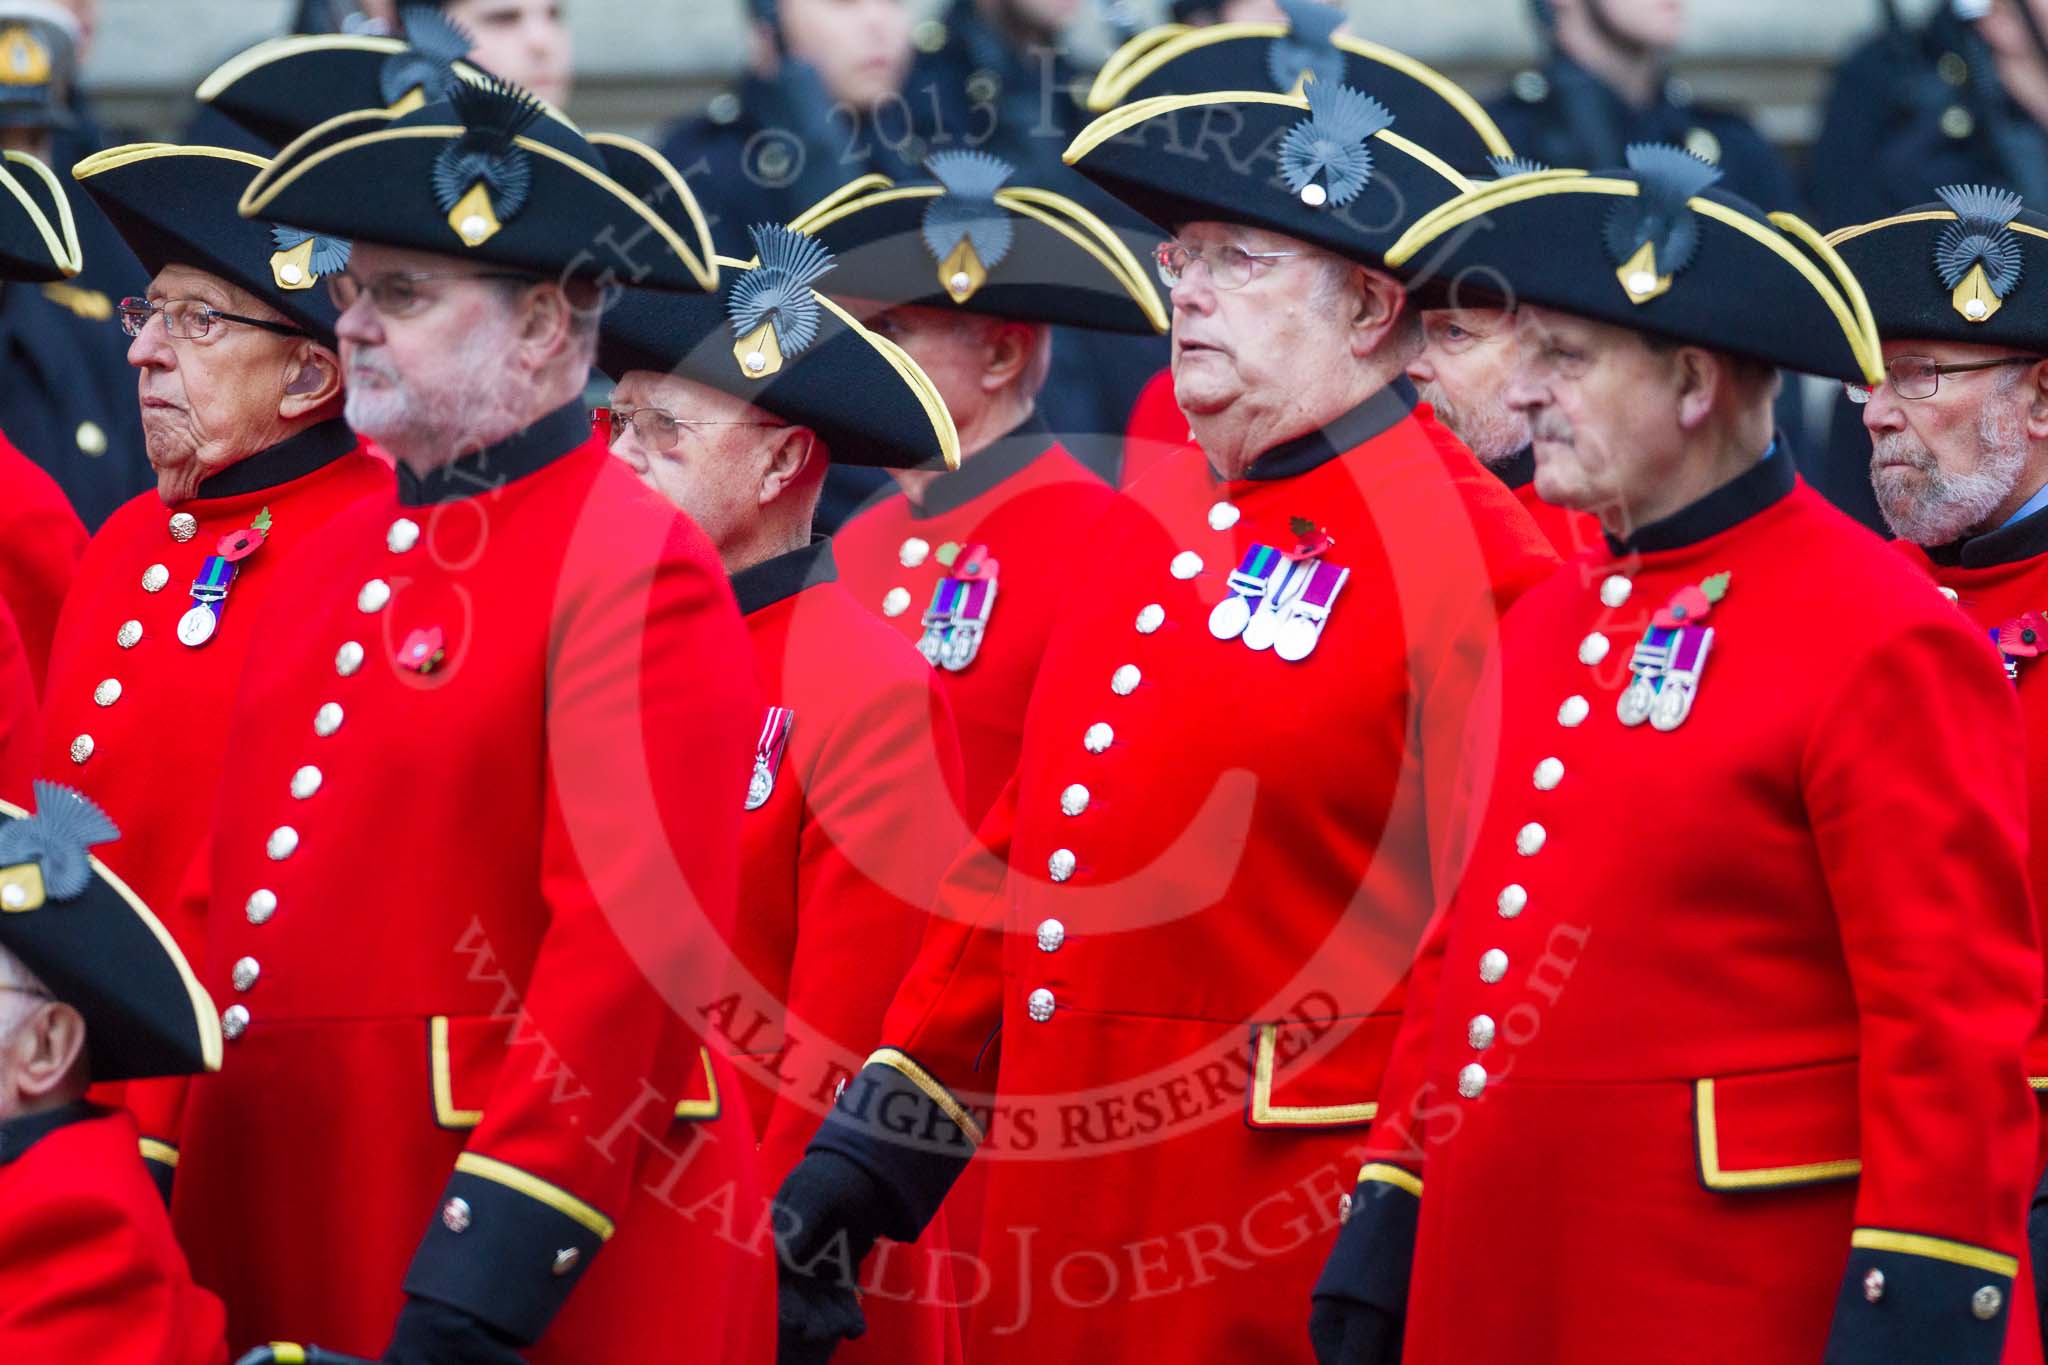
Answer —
160 1159
506 1247
1909 1299
1375 1251
909 1134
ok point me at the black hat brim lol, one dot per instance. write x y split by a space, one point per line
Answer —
1065 267
38 235
1429 107
866 400
1758 286
175 205
280 88
108 957
369 175
1168 159
1894 258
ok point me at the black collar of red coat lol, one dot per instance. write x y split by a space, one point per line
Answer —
978 473
17 1135
1761 485
786 575
1375 416
2024 539
525 452
1519 469
292 458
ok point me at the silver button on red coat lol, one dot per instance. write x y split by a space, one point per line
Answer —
1512 900
1493 965
1051 934
1124 681
374 596
1061 864
1594 648
245 974
1074 800
1479 1033
262 905
1530 838
282 843
234 1022
1098 738
1039 1005
327 719
1471 1080
1573 712
1614 590
403 535
1151 618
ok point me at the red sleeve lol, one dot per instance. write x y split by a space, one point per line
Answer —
18 715
886 781
1937 930
951 1003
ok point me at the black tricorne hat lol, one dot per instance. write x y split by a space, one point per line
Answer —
1330 166
280 88
96 946
38 62
1428 107
1653 247
974 239
1971 268
486 175
770 338
175 205
38 237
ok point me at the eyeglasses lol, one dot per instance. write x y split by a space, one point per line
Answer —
659 429
1913 377
26 990
189 319
1229 267
398 295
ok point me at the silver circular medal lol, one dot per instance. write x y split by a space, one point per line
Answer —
1228 620
1670 710
196 626
759 787
1259 631
1296 640
1634 706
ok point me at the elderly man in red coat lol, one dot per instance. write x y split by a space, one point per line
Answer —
1959 447
474 867
1158 1005
91 988
1716 1052
849 819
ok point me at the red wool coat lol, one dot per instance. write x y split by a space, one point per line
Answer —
471 873
1998 579
41 540
1714 1005
1031 504
1157 428
1207 879
89 1270
136 719
856 767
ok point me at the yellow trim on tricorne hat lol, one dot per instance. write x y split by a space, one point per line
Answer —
60 237
283 171
1862 339
673 177
203 1011
1056 211
1114 66
1110 88
277 49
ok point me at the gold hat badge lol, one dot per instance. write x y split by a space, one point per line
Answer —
1978 256
24 58
771 306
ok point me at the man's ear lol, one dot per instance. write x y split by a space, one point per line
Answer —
312 381
1010 348
1376 301
2034 385
789 463
1700 377
49 1048
546 320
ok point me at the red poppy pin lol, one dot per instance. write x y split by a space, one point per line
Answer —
2022 637
1691 605
239 545
975 562
1311 540
422 651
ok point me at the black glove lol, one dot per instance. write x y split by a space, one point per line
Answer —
1347 1332
432 1333
827 1214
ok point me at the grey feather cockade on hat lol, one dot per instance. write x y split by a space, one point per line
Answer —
1978 257
57 838
1506 167
771 305
304 258
426 68
1308 47
483 178
965 229
1654 235
1327 158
